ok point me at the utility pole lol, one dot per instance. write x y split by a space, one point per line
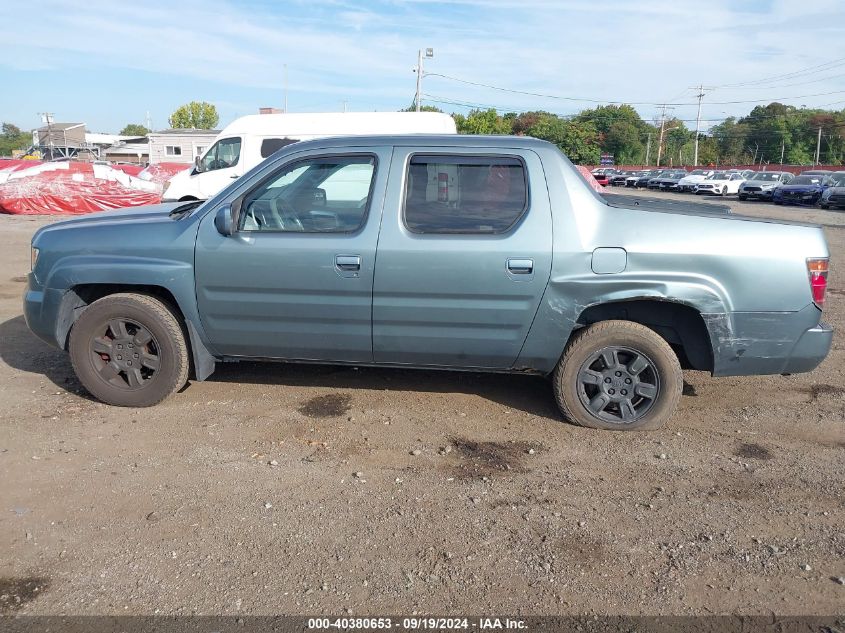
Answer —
647 149
47 117
782 150
700 95
429 53
818 147
662 127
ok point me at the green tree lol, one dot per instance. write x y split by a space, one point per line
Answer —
424 108
623 139
482 122
196 114
12 139
579 140
134 129
621 131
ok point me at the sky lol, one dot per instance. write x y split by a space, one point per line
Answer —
110 62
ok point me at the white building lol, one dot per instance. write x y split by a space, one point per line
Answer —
179 145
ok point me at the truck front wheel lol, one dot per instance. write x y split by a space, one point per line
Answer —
129 350
619 376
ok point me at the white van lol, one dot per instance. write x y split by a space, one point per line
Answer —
250 139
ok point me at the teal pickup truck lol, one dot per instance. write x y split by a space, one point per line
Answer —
447 252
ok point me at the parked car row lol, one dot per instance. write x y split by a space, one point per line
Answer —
822 187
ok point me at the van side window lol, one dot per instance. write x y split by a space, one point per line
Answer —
270 146
464 194
325 194
224 153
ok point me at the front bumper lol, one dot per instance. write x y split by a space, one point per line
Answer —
757 193
798 198
42 309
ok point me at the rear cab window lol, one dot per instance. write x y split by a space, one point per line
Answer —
464 194
270 146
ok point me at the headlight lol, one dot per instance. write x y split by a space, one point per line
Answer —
33 257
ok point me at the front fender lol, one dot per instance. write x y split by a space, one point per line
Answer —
124 273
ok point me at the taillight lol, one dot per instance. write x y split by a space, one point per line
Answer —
817 270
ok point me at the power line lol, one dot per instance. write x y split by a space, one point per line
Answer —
632 103
763 80
507 108
800 83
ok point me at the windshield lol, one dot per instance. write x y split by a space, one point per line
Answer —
719 175
837 180
698 172
807 180
224 153
769 177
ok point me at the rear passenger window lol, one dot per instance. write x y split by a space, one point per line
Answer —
464 194
270 146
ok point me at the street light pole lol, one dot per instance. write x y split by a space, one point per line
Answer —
429 53
698 124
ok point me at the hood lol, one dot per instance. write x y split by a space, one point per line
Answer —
132 216
688 180
763 184
800 188
714 182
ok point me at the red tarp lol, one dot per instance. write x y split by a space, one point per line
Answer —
30 187
589 178
162 172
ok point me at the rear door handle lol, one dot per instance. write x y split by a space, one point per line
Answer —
520 266
348 263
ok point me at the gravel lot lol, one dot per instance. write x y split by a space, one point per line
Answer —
323 490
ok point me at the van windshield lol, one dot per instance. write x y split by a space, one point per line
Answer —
224 153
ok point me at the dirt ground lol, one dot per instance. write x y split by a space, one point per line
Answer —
277 489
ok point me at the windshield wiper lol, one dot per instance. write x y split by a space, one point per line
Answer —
185 209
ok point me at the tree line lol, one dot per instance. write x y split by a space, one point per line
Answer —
771 134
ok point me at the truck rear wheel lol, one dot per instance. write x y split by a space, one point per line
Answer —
619 376
129 350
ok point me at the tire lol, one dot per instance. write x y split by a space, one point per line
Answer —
742 197
825 206
586 353
129 350
724 191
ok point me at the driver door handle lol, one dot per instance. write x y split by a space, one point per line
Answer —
348 263
520 266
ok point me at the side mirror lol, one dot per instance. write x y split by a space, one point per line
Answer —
224 220
198 167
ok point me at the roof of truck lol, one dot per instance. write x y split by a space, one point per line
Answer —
441 140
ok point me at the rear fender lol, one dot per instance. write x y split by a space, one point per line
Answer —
566 298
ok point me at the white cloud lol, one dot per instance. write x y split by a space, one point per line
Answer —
616 50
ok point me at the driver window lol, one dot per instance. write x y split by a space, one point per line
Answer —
224 153
329 194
